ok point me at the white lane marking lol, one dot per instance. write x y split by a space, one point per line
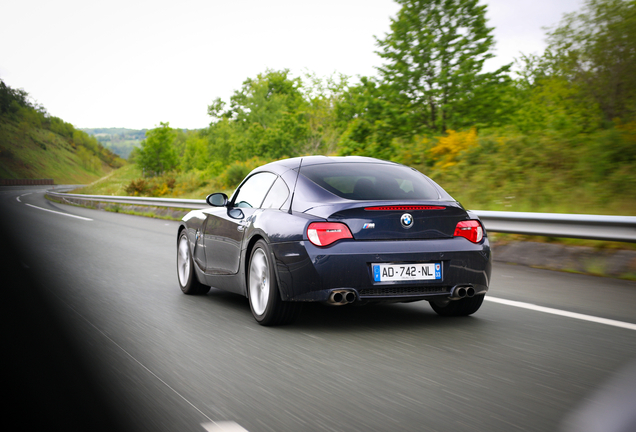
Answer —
60 213
18 198
559 312
223 427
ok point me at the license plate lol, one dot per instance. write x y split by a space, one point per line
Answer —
406 272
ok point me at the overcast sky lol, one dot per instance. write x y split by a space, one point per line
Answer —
135 63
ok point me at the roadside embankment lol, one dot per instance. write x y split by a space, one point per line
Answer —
577 259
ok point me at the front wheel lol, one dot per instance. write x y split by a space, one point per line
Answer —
267 307
188 281
463 307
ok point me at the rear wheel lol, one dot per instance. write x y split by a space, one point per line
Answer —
463 307
188 281
267 307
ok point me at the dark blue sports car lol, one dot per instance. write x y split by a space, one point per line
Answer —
338 230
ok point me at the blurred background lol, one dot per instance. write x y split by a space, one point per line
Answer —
517 107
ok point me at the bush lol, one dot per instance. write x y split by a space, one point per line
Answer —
155 186
137 187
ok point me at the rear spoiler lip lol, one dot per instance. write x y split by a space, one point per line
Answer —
328 209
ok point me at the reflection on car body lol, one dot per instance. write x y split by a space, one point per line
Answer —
337 230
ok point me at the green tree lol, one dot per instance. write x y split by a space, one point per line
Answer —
322 96
157 153
11 99
370 120
195 154
434 55
265 118
265 99
222 139
596 50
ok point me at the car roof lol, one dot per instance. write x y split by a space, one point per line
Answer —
293 163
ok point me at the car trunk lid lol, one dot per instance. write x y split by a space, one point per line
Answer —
401 221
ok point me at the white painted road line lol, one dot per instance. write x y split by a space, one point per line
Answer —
559 312
18 198
60 213
223 427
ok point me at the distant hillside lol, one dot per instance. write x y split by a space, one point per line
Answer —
34 144
120 141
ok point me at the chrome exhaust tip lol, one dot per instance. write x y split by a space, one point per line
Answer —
350 297
342 297
336 297
461 291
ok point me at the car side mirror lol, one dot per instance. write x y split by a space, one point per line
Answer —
217 199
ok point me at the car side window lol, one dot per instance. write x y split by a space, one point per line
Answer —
277 195
253 191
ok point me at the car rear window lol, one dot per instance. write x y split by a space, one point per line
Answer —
371 182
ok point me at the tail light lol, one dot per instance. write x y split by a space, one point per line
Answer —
326 233
470 229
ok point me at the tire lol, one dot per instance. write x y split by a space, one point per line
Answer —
188 280
463 307
262 290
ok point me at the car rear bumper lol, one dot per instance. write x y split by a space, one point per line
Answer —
310 273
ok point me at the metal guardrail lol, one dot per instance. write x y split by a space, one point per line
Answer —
158 202
594 227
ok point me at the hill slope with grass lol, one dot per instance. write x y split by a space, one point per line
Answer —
34 144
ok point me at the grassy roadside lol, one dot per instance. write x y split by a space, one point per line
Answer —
31 152
113 184
129 181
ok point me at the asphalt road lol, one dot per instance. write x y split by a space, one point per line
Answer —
170 362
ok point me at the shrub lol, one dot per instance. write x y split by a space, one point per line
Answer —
137 187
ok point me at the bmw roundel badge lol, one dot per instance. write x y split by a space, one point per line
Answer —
407 220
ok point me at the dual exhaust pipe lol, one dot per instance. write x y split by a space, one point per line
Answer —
345 296
459 292
342 297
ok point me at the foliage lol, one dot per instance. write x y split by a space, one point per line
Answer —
195 155
265 118
34 144
370 120
237 171
157 153
154 186
545 171
431 79
322 96
434 56
596 50
448 150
